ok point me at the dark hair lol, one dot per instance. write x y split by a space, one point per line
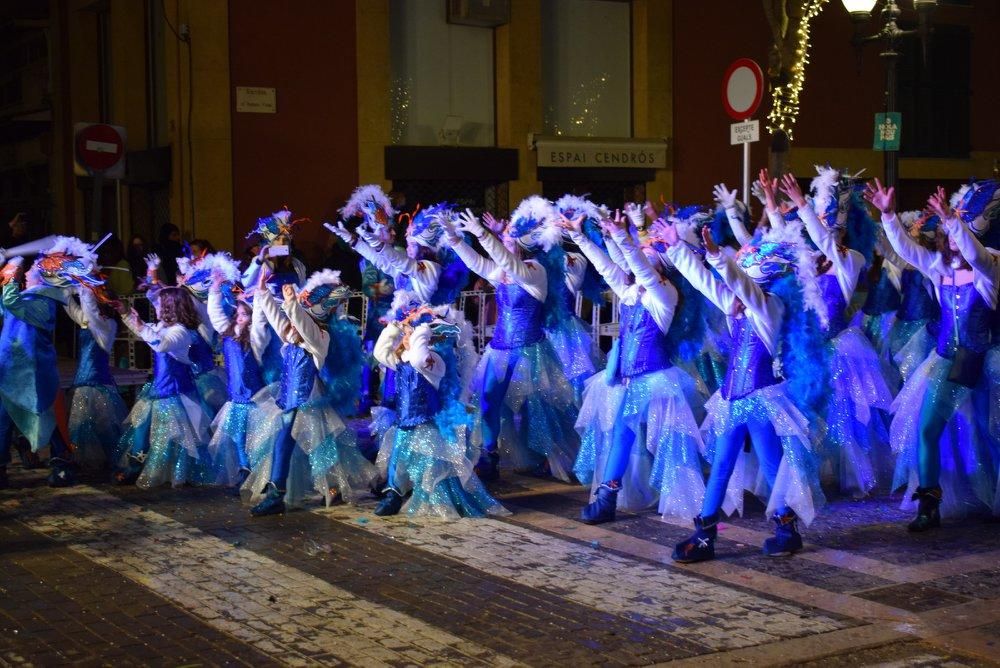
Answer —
204 244
177 307
242 338
111 251
947 254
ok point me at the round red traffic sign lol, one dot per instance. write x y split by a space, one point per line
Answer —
99 147
742 89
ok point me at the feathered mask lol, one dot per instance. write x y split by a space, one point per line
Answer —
978 204
766 261
832 191
196 274
278 224
532 224
424 226
919 223
370 203
323 293
68 263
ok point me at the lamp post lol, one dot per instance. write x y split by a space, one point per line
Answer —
890 35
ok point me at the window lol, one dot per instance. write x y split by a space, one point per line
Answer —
586 68
442 77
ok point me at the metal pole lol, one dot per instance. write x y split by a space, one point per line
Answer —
891 157
746 173
95 209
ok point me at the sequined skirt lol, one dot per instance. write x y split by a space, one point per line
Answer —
660 408
229 434
575 348
213 389
96 419
910 343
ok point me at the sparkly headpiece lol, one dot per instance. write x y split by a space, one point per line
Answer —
196 274
831 193
271 227
371 203
533 224
323 293
978 204
424 226
68 263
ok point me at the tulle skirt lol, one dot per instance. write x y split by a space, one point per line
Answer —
325 459
665 462
855 445
576 351
796 484
878 330
539 408
213 389
968 468
437 472
229 436
174 431
910 342
97 415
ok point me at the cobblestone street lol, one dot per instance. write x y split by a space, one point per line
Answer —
95 575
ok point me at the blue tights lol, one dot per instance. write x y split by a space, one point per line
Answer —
937 408
766 444
491 404
284 445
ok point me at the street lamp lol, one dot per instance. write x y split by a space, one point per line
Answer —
890 36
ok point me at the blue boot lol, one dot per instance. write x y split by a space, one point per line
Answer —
273 503
786 540
488 466
63 473
928 509
131 472
701 545
390 504
602 508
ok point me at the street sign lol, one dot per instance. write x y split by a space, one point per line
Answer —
742 89
887 129
744 133
100 148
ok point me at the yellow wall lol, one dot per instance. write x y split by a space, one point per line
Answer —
374 80
652 84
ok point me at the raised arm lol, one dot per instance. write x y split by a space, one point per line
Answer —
271 310
529 275
694 270
613 275
420 356
910 251
173 339
221 322
727 200
384 351
645 274
260 332
315 339
101 328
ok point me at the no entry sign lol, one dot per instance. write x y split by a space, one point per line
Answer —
100 148
742 89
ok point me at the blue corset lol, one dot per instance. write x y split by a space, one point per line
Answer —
883 297
242 371
750 364
519 318
916 302
403 282
93 366
963 312
171 377
417 401
201 355
836 306
298 375
644 348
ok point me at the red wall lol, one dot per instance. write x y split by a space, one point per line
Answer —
837 103
306 155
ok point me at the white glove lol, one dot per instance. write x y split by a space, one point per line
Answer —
451 233
152 262
724 197
758 192
369 237
635 215
340 232
467 222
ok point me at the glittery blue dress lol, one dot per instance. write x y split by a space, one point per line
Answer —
965 467
520 376
229 429
208 378
855 443
912 336
168 426
428 452
97 412
644 392
304 412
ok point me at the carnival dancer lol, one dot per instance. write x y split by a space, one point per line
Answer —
638 431
431 465
914 330
167 430
527 404
938 425
97 412
298 431
857 408
242 347
769 293
29 379
567 332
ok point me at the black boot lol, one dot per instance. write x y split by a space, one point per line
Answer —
928 509
4 481
29 459
241 477
131 472
390 504
488 466
273 503
786 540
602 508
701 545
63 472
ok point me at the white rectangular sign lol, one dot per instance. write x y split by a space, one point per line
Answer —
744 133
256 100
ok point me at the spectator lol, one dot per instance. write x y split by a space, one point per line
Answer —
111 256
168 247
136 258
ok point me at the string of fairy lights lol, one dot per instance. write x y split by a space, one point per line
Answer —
785 97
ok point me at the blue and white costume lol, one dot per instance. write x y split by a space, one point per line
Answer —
96 411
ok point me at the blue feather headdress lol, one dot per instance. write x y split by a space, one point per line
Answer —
269 228
978 204
196 274
425 227
532 224
323 293
68 263
371 203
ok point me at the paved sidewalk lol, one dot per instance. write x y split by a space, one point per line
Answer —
95 575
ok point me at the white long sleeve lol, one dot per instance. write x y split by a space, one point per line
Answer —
704 281
576 270
736 224
613 275
272 312
175 340
315 339
260 333
925 261
82 310
420 356
659 296
477 264
384 351
527 273
847 264
221 322
765 311
985 264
